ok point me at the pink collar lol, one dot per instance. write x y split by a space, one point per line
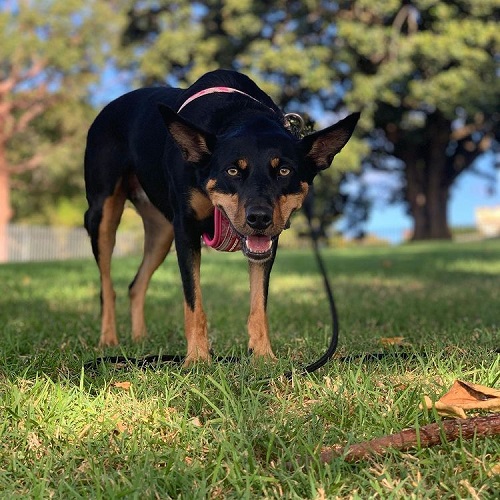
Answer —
214 90
225 238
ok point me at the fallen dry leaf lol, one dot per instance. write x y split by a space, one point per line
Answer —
443 409
120 427
386 341
468 395
122 385
465 396
196 422
494 470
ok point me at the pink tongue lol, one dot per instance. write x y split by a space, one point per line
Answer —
258 244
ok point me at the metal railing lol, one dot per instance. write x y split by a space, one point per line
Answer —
43 243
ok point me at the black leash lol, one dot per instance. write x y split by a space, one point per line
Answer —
334 339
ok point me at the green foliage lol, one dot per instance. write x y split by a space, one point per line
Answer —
436 55
218 430
426 75
51 52
410 68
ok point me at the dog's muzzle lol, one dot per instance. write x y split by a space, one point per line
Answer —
257 248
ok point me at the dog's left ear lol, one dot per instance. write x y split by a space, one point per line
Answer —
319 148
195 144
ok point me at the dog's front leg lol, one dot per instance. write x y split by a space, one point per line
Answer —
195 322
258 327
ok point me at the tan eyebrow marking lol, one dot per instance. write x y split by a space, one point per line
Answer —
275 162
242 163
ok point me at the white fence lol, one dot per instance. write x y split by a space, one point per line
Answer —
42 243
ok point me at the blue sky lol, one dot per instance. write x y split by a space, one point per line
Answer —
469 192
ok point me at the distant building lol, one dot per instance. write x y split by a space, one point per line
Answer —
488 220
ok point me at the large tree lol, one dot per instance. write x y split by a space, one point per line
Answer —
50 54
424 73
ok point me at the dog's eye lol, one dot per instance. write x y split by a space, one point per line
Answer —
284 171
233 172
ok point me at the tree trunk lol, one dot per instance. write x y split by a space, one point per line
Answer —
427 185
5 208
429 208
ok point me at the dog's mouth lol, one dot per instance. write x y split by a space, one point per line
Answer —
256 247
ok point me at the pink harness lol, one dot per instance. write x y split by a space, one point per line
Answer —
225 238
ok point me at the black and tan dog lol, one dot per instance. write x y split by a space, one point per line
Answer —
215 160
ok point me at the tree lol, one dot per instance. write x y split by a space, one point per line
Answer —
285 46
423 72
426 74
50 54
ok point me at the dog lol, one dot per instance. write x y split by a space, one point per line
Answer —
216 161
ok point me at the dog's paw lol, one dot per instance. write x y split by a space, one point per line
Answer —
108 341
265 354
140 335
196 357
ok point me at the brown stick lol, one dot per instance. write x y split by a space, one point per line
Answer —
426 436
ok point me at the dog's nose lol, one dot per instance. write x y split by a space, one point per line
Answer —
259 217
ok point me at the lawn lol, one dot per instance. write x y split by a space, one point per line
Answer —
219 431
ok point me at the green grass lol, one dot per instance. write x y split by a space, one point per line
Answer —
216 431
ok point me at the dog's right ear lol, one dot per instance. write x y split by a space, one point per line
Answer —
195 144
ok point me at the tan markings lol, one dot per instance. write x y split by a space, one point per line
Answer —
287 204
158 237
258 328
111 214
284 208
275 162
201 204
230 204
195 323
242 163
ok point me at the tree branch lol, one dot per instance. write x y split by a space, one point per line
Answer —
26 118
7 85
27 165
424 437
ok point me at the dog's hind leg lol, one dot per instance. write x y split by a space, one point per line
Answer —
102 220
158 237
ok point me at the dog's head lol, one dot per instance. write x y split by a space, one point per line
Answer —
257 173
